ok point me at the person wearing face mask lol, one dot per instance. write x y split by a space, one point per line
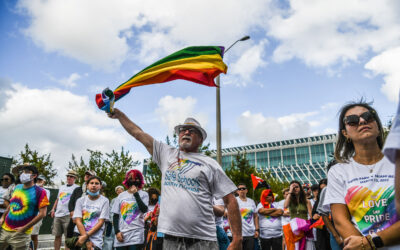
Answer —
129 209
60 211
90 213
28 205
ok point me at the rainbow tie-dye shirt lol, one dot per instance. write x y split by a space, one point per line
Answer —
24 206
368 196
247 209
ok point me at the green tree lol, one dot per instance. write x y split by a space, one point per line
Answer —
43 163
240 172
110 167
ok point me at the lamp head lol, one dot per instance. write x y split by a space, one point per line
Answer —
244 38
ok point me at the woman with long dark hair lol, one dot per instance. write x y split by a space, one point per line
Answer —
361 186
299 207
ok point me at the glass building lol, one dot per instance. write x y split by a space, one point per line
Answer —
302 159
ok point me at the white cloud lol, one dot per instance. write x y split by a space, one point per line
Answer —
388 64
325 33
70 81
174 110
249 62
55 121
100 32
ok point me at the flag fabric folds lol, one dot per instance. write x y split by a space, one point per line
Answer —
258 182
199 64
318 224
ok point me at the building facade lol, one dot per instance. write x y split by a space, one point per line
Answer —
303 159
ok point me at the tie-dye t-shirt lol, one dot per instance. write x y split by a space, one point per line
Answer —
131 220
247 209
91 211
270 227
24 206
368 196
64 194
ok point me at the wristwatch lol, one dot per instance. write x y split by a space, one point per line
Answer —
377 240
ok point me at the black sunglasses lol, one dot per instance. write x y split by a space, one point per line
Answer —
354 120
241 189
191 130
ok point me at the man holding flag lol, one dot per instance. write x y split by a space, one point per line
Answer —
190 180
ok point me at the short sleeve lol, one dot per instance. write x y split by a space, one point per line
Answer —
392 142
145 198
115 206
105 210
335 189
159 152
259 206
78 208
221 184
43 200
322 208
218 202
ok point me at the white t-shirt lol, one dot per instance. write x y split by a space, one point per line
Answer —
131 219
91 211
219 220
247 209
392 142
284 219
270 226
188 186
368 196
64 194
2 192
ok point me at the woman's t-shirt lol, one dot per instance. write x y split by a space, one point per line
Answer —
369 195
270 226
247 209
91 211
131 219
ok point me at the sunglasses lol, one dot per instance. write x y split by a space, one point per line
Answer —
241 189
191 130
5 179
354 120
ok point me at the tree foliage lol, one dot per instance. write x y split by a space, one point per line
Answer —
240 172
110 167
43 163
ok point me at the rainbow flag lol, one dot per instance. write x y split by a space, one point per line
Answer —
200 64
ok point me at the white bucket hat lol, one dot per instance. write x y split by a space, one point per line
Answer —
191 122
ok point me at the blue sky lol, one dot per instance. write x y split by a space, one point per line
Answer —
304 60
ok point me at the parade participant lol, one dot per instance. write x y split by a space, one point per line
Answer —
285 218
250 228
79 191
90 213
189 180
110 233
36 228
219 211
361 185
322 235
270 221
60 211
129 209
299 207
392 152
6 180
28 205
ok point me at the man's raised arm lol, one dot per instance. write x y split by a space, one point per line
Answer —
133 129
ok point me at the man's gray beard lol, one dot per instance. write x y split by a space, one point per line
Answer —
184 145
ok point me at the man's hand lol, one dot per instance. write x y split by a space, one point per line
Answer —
89 245
133 189
52 214
115 114
256 234
20 229
235 245
354 242
81 240
1 221
120 237
316 216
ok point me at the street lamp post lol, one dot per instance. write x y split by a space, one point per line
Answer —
218 106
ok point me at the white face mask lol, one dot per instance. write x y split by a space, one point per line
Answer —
25 178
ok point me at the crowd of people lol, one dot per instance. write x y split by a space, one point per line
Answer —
201 208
